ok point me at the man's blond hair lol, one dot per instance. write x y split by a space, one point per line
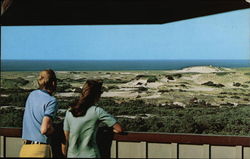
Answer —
46 79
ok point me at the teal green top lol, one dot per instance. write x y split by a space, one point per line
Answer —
82 136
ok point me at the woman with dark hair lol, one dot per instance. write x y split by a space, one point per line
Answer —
82 120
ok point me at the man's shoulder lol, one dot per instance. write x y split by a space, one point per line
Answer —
42 94
34 91
37 92
53 98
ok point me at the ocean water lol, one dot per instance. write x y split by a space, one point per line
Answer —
114 65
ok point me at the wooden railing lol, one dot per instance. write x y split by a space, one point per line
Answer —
243 141
185 138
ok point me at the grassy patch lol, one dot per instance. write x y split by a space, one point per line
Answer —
13 83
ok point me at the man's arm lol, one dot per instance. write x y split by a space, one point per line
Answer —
47 126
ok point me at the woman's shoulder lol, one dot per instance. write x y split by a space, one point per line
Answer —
94 107
68 111
99 110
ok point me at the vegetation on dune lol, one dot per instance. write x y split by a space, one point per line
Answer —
65 80
11 117
197 119
63 87
17 97
194 112
152 79
210 83
65 102
222 73
144 76
142 89
13 83
169 77
113 81
112 87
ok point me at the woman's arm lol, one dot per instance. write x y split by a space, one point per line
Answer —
66 144
117 128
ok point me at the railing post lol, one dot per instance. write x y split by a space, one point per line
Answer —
144 149
207 151
175 150
239 152
116 149
4 147
243 152
178 151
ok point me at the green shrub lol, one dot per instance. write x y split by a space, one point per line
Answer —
145 76
62 87
222 73
169 77
236 84
210 83
11 117
15 99
110 81
13 83
113 87
177 75
152 79
142 89
245 86
226 120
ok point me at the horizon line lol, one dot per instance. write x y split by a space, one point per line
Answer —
111 59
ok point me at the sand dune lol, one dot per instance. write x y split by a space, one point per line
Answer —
201 69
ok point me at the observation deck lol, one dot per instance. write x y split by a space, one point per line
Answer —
153 145
110 12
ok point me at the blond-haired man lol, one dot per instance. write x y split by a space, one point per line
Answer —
40 109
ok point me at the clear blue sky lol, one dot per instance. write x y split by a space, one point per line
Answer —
220 36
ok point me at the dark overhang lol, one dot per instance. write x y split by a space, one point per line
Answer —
106 12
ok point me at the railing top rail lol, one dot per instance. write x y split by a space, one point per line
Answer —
10 132
161 138
185 139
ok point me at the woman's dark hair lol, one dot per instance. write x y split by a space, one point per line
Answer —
91 92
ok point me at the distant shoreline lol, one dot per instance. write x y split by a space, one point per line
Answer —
115 65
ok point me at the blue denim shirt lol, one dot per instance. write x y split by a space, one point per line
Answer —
39 104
